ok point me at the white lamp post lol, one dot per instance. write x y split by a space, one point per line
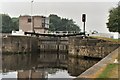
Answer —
31 16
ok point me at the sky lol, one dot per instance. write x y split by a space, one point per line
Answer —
97 11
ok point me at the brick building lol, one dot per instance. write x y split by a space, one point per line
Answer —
38 24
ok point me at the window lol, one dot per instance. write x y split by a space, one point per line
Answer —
29 19
43 25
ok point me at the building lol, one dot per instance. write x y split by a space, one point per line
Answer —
113 35
37 24
107 35
116 35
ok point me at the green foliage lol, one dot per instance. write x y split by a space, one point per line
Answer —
8 23
114 20
62 24
15 23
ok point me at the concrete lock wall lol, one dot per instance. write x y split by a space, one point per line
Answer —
21 44
18 44
53 44
75 46
90 47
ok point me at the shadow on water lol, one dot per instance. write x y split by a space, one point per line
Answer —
44 65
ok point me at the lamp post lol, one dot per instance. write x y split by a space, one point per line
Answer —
32 27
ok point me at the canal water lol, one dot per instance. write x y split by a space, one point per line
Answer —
44 65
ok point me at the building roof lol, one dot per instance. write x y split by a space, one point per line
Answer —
32 16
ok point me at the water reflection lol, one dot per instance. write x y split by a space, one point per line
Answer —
45 65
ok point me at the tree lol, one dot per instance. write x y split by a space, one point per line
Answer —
8 23
15 23
62 24
114 20
54 22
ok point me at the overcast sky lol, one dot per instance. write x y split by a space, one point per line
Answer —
97 12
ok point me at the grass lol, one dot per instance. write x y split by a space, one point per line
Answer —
107 39
110 71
